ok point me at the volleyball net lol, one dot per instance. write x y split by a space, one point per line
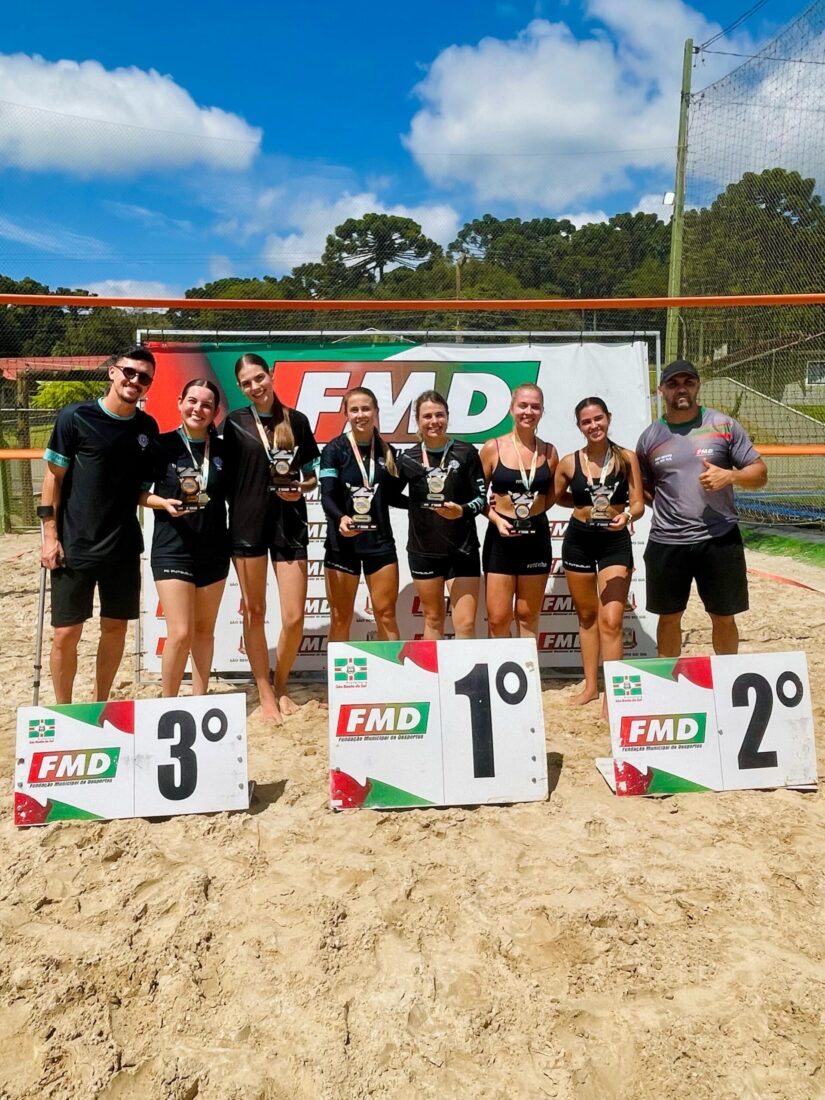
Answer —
72 341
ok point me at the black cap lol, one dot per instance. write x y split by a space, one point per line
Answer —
678 366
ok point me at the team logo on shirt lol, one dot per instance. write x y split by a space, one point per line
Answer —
218 462
143 440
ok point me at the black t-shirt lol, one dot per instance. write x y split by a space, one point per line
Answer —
202 534
339 474
431 535
257 515
108 460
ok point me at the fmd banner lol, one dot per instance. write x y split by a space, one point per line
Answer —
477 381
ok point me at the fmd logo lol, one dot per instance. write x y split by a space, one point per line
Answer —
375 719
315 568
553 641
557 604
316 605
313 643
650 731
317 532
73 764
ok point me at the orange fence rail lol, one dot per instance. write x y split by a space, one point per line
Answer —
416 305
767 450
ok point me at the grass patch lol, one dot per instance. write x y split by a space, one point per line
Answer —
813 553
816 411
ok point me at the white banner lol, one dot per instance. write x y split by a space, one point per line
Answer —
479 399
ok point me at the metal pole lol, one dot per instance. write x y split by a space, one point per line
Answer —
674 281
38 641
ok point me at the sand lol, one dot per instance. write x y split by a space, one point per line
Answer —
584 947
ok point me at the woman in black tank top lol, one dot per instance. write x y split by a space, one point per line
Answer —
519 469
603 484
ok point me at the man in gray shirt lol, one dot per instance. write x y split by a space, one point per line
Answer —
691 458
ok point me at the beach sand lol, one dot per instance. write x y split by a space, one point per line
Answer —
585 947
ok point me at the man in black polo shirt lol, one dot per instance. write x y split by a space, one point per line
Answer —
100 457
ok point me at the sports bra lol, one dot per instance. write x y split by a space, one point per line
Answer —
505 479
580 490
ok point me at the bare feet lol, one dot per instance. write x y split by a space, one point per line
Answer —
271 712
288 706
585 696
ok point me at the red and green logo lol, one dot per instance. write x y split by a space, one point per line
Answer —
645 731
73 764
377 719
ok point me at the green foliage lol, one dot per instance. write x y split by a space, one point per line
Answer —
370 244
54 395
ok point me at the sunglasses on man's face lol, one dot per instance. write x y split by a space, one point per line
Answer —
132 375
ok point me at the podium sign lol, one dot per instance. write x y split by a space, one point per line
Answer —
711 723
130 758
435 723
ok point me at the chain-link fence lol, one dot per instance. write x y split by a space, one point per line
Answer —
760 392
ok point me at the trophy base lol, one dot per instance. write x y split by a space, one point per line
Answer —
364 525
521 527
190 506
284 486
599 522
433 504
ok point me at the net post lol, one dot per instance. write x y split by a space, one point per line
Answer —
674 281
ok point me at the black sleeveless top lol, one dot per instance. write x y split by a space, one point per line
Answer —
580 490
504 479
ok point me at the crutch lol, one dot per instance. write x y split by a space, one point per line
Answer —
38 644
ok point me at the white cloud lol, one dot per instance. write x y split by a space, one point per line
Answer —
134 288
586 217
51 238
81 118
311 220
652 204
546 120
151 219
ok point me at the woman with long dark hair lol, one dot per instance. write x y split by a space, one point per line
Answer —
360 481
519 469
446 494
272 458
190 542
605 484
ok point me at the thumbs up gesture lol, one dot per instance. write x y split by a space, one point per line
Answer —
714 478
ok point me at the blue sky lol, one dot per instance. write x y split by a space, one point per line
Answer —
154 147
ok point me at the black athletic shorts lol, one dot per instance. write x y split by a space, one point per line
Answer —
118 588
448 566
198 571
350 561
589 549
518 555
276 551
717 565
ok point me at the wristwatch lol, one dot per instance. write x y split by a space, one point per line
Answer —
45 511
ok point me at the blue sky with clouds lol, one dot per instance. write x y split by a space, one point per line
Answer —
152 147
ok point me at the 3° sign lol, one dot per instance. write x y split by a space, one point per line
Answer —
143 758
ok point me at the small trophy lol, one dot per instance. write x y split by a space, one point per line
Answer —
522 507
192 496
600 511
362 498
281 473
436 479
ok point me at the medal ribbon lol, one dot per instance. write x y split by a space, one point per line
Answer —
368 478
202 468
526 482
268 447
585 463
425 461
